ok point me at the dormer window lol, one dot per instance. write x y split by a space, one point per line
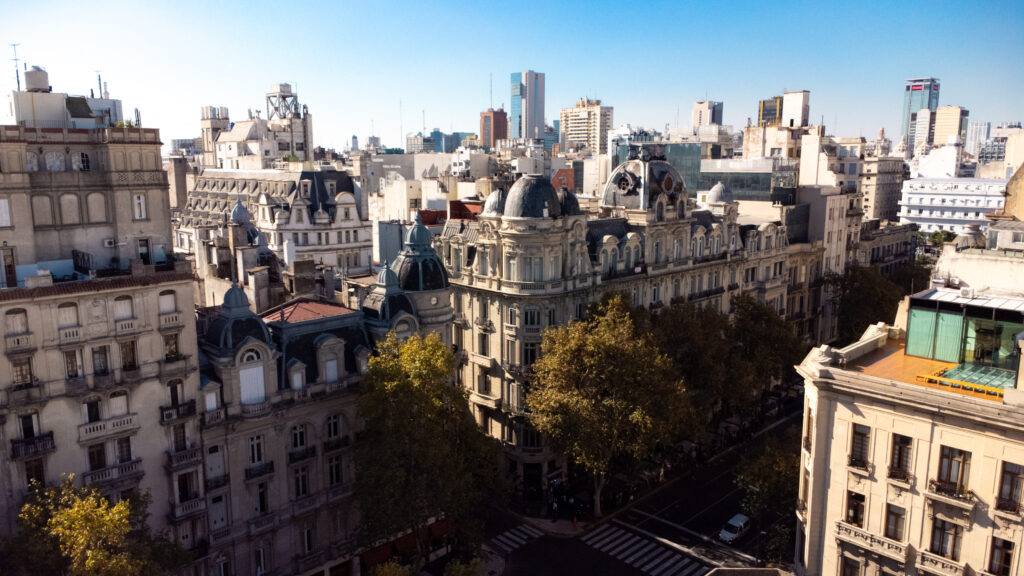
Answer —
332 188
305 188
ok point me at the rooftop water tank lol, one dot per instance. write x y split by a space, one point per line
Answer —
37 80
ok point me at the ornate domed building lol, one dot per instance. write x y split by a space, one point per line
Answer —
532 260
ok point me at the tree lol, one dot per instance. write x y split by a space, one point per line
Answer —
459 568
391 568
603 391
862 297
940 237
915 276
769 477
75 531
421 454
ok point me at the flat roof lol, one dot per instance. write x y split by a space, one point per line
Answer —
984 300
304 311
890 362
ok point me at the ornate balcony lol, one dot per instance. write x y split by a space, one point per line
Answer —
256 410
174 367
901 475
103 381
215 482
939 565
339 491
70 335
184 458
952 493
18 343
171 320
300 454
78 386
213 417
868 541
180 511
258 470
102 428
261 524
306 562
24 394
124 470
305 504
858 462
175 412
32 447
1008 505
332 444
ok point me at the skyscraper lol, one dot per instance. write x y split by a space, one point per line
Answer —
919 93
493 127
977 134
950 121
526 119
706 112
587 124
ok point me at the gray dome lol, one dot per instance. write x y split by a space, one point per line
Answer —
417 266
234 324
719 194
239 215
533 196
495 204
635 184
235 299
386 277
418 234
971 237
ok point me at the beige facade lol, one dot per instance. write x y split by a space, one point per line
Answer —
881 183
950 122
587 124
533 260
913 450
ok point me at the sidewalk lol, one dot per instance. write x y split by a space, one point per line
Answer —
558 527
491 563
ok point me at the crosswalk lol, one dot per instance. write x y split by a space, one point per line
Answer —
513 538
643 553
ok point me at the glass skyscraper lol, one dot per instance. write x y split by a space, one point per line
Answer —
918 94
526 112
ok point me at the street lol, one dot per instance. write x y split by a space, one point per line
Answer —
671 532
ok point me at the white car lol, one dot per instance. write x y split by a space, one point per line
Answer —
736 527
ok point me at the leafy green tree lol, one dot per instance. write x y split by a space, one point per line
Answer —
769 478
940 237
421 454
66 530
915 276
459 568
391 568
765 338
602 392
862 297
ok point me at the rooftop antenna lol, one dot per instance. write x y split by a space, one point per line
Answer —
17 74
99 83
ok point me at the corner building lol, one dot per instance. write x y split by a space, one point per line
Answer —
534 260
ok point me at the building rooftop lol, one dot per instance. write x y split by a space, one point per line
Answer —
304 310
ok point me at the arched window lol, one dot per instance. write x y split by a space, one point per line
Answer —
251 355
660 212
167 302
16 321
67 315
118 403
636 256
80 162
31 162
629 260
124 308
55 162
604 261
657 252
613 259
251 378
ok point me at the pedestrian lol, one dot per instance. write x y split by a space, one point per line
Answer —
574 524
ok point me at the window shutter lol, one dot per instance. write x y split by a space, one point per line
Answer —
253 391
118 404
123 309
331 368
167 303
5 212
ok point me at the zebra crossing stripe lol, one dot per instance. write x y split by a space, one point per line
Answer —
501 546
695 568
674 564
533 531
665 562
510 544
618 546
655 560
631 548
702 571
608 537
511 535
640 552
602 530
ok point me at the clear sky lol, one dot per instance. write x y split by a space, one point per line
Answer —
352 63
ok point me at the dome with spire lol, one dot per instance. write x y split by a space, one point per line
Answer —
418 235
386 300
235 323
532 196
239 215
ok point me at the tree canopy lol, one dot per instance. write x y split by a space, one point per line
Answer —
602 390
420 454
66 530
862 297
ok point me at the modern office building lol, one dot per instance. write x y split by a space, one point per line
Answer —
769 112
912 459
705 113
919 93
977 134
586 124
923 131
950 204
493 127
950 122
526 111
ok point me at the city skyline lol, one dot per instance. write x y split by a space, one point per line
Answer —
168 77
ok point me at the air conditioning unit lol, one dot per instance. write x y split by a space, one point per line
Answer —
967 292
109 242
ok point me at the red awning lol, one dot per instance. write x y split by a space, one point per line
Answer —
440 528
378 555
406 544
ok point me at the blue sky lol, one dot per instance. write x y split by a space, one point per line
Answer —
352 62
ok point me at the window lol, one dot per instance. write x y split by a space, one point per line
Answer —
299 436
55 162
29 425
67 315
91 411
851 567
859 448
180 440
255 450
355 233
531 317
307 539
855 509
552 320
895 519
80 161
481 348
1001 560
73 364
100 364
954 470
16 322
171 347
124 450
34 471
167 302
117 404
301 481
530 353
123 308
334 471
139 206
513 316
1010 488
129 360
97 457
261 505
899 464
946 539
334 426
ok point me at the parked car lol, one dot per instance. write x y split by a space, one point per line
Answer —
735 528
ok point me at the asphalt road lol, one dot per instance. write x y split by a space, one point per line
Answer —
672 532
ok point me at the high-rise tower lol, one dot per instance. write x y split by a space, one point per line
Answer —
918 93
526 114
